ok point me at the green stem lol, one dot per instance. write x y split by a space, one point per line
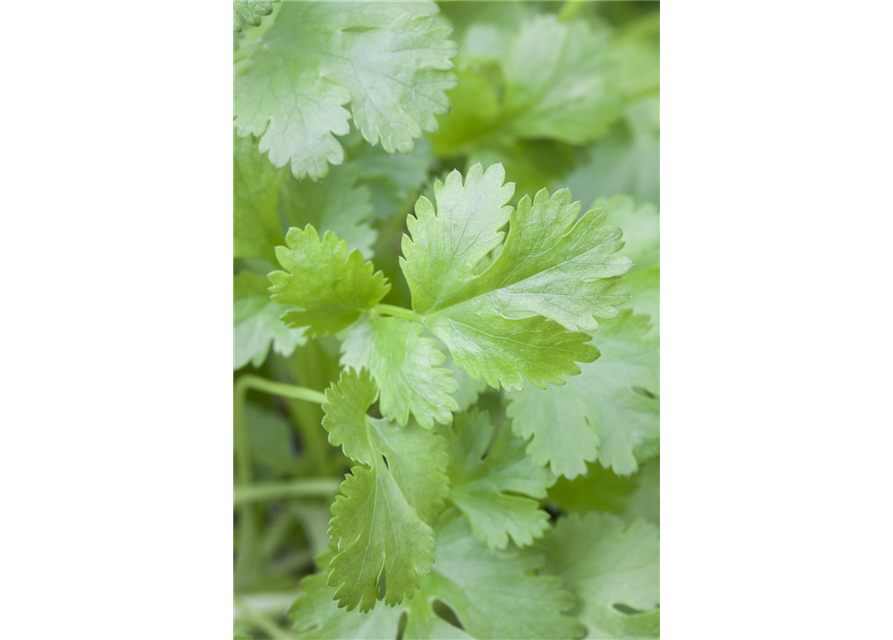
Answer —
262 622
306 488
279 389
569 10
400 312
245 559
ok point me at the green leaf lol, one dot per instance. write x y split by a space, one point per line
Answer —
330 287
468 388
337 203
256 324
406 368
560 81
384 545
388 62
606 413
250 12
496 485
493 594
553 265
256 225
606 563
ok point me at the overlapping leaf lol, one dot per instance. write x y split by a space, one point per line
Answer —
256 324
554 272
330 288
388 62
379 520
608 412
553 81
406 367
494 484
607 563
492 593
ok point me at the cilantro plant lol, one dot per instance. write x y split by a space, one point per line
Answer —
446 330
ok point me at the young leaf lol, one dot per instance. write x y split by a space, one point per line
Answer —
256 225
406 368
330 287
490 483
606 564
384 545
492 593
388 61
553 265
256 324
250 12
606 413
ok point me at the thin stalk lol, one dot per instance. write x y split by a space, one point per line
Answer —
248 549
262 622
400 312
305 488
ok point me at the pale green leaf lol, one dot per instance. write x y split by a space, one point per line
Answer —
560 81
256 324
496 485
389 62
494 594
378 524
337 203
331 288
606 563
256 225
553 265
468 388
250 12
607 413
406 367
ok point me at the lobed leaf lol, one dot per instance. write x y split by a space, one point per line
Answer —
406 368
607 563
330 288
494 483
388 62
607 413
384 545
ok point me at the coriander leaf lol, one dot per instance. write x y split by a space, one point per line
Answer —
406 368
492 593
496 485
384 545
644 289
336 203
250 12
560 81
556 265
392 177
607 412
552 264
331 287
256 324
389 62
606 563
256 225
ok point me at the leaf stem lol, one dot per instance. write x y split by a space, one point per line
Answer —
304 488
245 559
400 312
